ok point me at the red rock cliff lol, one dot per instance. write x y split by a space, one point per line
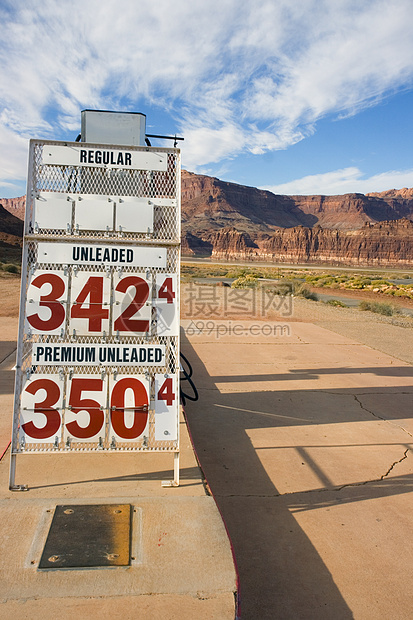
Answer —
384 244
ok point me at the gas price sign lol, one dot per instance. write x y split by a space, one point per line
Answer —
98 349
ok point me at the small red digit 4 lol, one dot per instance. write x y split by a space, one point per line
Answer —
166 290
94 310
166 392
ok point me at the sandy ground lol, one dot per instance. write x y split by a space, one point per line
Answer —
9 295
208 305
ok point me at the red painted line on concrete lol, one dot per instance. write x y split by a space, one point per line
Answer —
5 450
238 594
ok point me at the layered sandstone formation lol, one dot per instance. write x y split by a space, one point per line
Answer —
384 244
230 221
209 204
15 206
11 236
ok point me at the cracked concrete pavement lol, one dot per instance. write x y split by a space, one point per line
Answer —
305 440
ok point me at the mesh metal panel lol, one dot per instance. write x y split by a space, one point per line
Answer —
162 189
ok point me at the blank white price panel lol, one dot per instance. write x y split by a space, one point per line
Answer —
94 213
129 403
86 400
41 408
90 303
134 214
46 302
166 406
167 323
53 211
132 308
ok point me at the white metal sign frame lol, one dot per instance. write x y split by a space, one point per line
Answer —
98 346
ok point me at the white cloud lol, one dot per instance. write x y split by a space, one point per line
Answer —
235 77
345 181
13 156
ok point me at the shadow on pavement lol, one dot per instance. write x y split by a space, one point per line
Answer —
281 573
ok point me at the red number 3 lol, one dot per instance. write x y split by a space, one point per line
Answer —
51 301
45 407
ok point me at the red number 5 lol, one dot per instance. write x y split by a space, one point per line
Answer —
78 404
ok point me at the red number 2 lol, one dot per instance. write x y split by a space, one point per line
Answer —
125 322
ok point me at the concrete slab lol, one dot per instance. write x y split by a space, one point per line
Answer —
153 607
182 565
312 356
177 546
306 444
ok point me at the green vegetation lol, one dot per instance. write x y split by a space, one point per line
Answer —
361 282
336 302
10 268
257 275
245 281
379 308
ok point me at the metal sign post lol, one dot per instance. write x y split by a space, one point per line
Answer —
98 347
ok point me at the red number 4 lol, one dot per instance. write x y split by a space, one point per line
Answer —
166 392
95 311
166 291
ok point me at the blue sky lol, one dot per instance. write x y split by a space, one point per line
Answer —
295 96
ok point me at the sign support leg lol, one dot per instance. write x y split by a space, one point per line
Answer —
176 469
175 481
12 485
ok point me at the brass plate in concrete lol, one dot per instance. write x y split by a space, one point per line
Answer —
88 536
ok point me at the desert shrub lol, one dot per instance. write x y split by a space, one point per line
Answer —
11 268
247 281
303 291
403 292
377 307
336 302
357 283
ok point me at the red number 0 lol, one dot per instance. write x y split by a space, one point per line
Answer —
117 403
125 322
57 310
46 407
